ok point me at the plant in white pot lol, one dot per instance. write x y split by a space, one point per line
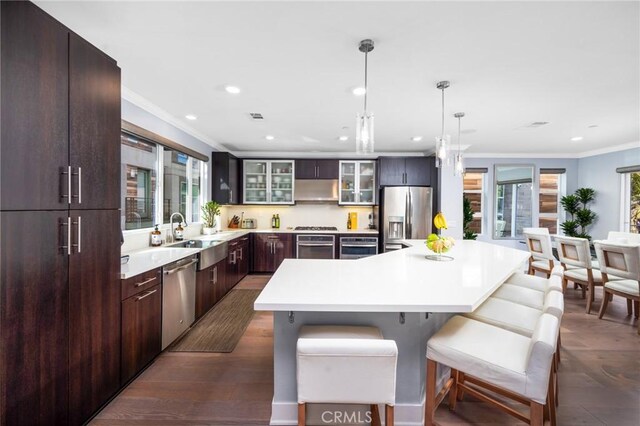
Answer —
210 212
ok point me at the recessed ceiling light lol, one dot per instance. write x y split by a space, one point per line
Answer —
232 89
593 126
577 138
269 137
416 138
359 91
191 117
344 138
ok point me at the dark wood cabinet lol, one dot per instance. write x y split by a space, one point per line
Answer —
34 309
211 286
141 330
244 257
34 117
60 293
269 250
144 281
94 123
414 171
317 169
225 186
231 276
94 311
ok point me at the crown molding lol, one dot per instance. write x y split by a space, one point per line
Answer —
576 155
327 154
142 102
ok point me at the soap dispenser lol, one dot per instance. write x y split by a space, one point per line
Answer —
179 233
156 237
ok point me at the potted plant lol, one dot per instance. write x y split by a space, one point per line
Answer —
581 216
210 211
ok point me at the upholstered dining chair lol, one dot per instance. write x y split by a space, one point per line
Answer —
539 244
575 258
623 260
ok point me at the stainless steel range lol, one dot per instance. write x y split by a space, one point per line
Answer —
316 228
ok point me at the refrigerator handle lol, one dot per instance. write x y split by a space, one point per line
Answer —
410 215
407 214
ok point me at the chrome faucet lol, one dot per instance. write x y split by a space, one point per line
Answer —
173 231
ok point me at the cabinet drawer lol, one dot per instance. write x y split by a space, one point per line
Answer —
135 285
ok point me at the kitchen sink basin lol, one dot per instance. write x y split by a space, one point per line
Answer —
213 251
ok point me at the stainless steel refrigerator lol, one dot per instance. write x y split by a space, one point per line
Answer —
405 213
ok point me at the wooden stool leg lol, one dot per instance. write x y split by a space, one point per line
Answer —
551 399
536 414
453 392
302 413
460 392
559 346
388 415
629 308
375 415
605 301
590 299
636 307
430 404
564 285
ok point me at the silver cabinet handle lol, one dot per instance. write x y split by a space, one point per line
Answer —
66 171
78 223
233 257
140 284
215 275
79 174
147 294
231 195
67 224
180 268
241 256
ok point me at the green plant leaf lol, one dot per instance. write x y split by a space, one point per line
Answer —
570 204
586 195
570 228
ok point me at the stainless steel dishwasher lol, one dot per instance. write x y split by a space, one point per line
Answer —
178 298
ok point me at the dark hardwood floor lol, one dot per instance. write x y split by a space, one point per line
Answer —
599 378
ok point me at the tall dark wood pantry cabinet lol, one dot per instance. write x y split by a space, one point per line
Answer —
60 184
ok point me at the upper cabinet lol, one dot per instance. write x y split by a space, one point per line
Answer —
317 169
268 181
412 171
225 176
357 182
60 125
94 123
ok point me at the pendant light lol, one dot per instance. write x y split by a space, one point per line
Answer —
364 121
442 141
458 165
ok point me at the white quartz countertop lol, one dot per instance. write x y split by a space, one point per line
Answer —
149 258
398 281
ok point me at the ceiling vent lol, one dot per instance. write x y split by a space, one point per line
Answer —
256 116
538 124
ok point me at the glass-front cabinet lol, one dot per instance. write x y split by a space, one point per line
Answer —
357 182
268 181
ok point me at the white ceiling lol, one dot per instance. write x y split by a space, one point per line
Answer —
574 64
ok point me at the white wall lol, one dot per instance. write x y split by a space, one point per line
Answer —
599 172
451 202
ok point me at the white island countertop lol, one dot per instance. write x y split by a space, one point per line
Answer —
398 281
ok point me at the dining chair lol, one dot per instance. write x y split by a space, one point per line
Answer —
623 260
575 258
623 237
539 244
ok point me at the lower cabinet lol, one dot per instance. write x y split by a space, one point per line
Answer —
269 250
210 284
244 256
141 330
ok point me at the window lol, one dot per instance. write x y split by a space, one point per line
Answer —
139 183
150 197
473 185
552 189
630 215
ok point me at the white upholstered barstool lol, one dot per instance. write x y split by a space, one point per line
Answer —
575 257
623 260
523 289
539 244
497 360
346 365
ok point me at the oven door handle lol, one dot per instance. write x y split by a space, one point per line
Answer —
358 245
315 245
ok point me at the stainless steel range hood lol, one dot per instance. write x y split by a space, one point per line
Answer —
316 191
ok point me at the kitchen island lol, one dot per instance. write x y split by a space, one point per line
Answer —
403 294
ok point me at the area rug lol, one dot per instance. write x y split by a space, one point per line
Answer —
220 329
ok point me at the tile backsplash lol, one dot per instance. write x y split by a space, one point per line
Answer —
299 215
